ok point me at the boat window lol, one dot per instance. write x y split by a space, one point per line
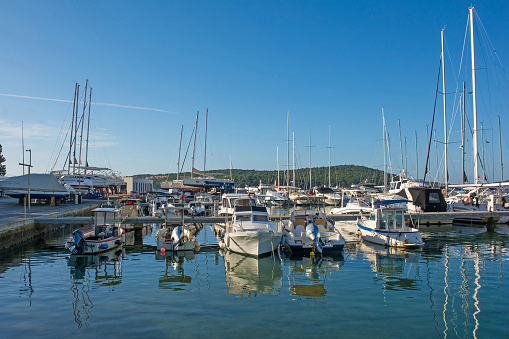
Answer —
109 218
260 218
434 198
390 219
243 218
382 217
399 219
372 216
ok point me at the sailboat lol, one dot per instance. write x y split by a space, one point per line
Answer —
79 175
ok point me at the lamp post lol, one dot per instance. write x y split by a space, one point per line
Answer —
29 165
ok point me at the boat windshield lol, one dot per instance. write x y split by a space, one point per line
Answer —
390 218
262 218
104 218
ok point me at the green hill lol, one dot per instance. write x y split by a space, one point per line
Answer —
341 175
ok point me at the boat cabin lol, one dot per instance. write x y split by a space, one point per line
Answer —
389 218
107 222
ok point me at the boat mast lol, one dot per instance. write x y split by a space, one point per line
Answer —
445 117
401 148
88 127
194 145
385 153
310 158
277 161
500 142
474 96
288 150
416 154
329 155
293 138
82 123
75 117
463 135
205 152
180 147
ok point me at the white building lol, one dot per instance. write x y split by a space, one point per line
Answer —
138 185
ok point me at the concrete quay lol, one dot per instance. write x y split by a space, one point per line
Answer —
17 224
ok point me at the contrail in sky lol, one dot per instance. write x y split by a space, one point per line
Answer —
95 103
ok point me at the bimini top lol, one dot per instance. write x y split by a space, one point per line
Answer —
389 202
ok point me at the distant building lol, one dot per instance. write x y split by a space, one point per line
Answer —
138 185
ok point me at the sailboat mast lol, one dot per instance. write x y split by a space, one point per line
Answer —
288 149
445 117
293 139
401 148
88 127
277 161
416 155
180 147
194 145
385 153
205 152
500 143
310 158
329 155
474 95
75 116
82 123
463 135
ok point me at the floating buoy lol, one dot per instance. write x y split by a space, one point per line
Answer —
163 251
312 254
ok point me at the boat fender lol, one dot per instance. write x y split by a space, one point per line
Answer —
104 246
466 200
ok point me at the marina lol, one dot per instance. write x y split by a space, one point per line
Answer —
449 288
130 214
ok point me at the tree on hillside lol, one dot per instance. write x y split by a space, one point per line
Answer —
2 159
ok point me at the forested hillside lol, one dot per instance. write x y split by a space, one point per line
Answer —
341 175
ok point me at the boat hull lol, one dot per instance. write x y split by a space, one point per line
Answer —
401 239
254 243
94 245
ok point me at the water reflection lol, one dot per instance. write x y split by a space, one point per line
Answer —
174 277
248 276
391 262
307 276
104 269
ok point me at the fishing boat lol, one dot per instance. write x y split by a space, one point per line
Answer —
386 226
106 234
310 231
250 231
178 237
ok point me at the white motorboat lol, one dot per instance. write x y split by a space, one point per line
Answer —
386 226
359 202
310 231
106 234
250 231
229 200
178 237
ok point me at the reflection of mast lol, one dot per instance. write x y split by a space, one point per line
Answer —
476 292
446 289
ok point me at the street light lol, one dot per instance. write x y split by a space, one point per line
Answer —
29 166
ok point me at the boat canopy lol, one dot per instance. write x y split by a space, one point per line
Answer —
429 199
390 202
38 182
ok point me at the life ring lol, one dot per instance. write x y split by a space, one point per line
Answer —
466 200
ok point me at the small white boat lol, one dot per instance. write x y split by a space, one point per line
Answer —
178 237
310 231
250 231
386 226
106 234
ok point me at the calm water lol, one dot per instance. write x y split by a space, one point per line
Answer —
457 286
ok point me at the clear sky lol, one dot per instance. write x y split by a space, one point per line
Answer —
249 62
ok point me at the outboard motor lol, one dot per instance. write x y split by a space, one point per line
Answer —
78 243
313 233
176 236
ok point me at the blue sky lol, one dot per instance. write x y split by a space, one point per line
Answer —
249 62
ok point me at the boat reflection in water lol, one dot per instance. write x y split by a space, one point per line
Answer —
174 277
307 275
248 276
104 269
390 262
